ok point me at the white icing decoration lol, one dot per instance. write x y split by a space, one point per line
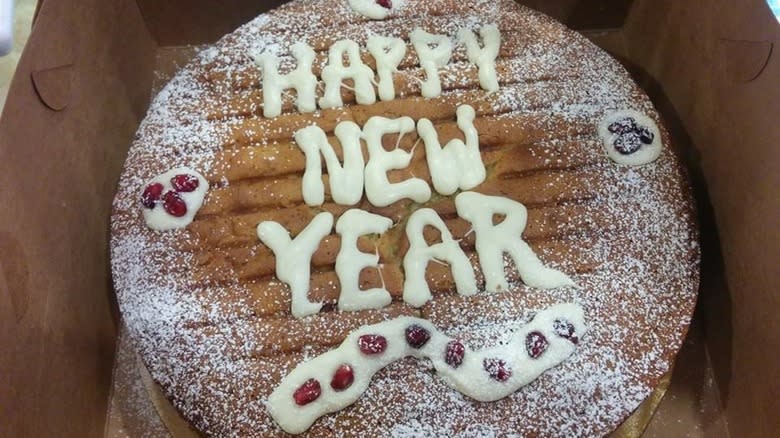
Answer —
492 241
646 153
369 8
350 261
379 191
388 53
485 57
470 377
458 165
301 79
346 183
293 257
335 72
157 218
431 58
416 290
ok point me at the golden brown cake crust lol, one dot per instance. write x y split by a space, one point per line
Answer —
213 324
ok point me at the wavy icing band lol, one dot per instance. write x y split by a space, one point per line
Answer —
319 386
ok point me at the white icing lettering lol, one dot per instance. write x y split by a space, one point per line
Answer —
388 53
492 241
346 183
434 51
293 257
458 165
416 290
301 79
379 191
485 57
350 261
335 72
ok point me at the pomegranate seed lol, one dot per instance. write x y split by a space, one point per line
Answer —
173 204
536 344
185 182
417 336
151 195
387 4
342 378
372 344
307 393
454 354
497 369
623 126
628 143
565 329
646 136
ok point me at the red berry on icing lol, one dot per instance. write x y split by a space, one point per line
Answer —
342 378
536 344
372 344
628 143
622 126
173 204
151 195
454 353
307 393
497 369
184 182
387 4
565 329
646 136
417 336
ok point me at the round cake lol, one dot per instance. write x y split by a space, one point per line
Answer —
404 218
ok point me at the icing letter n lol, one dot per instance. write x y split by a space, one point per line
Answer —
293 257
346 183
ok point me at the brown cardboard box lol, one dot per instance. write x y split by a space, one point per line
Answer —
83 85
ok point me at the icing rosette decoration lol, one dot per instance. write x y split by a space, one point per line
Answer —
630 137
171 200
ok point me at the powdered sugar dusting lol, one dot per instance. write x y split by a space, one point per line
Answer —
628 243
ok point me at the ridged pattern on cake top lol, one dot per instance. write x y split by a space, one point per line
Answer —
213 324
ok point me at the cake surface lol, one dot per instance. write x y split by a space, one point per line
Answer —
214 326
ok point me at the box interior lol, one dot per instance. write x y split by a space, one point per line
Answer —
84 82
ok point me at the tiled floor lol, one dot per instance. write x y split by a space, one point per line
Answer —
22 24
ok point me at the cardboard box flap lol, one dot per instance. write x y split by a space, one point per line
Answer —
745 60
53 85
58 173
722 78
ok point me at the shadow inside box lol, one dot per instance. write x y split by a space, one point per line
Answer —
702 371
584 14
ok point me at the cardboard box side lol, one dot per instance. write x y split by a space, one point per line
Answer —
717 67
176 22
79 91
